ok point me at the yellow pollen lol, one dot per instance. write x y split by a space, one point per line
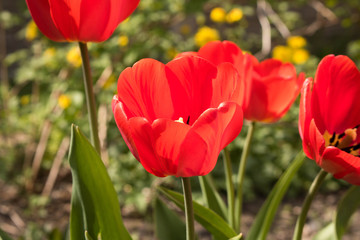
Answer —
350 136
181 120
343 141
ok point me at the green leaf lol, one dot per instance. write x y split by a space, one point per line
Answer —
205 216
168 225
94 205
238 237
346 208
327 233
212 197
4 236
265 216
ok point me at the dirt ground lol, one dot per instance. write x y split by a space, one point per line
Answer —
17 212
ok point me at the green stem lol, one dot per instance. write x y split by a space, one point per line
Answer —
90 98
189 212
229 187
240 176
307 202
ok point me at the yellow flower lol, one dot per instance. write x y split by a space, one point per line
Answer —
300 56
49 52
171 53
31 31
123 41
218 15
205 35
296 42
24 100
64 101
73 57
235 15
282 53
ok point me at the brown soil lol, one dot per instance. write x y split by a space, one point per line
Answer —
17 212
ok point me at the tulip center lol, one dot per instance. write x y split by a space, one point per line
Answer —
344 141
181 120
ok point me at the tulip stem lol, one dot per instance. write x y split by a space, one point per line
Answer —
90 98
240 176
189 211
314 188
229 187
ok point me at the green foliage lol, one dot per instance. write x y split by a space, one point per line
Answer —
212 198
265 216
95 208
168 225
346 208
205 216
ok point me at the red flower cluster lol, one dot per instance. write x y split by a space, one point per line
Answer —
80 20
176 118
270 86
330 118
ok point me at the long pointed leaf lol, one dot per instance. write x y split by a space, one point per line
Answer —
95 207
265 216
205 216
346 208
212 197
168 225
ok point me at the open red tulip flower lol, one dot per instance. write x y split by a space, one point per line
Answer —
177 117
270 86
80 20
330 118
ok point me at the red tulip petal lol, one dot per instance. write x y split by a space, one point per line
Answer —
228 86
336 94
144 91
194 75
218 52
186 54
123 125
40 12
234 127
119 11
94 18
353 177
169 138
273 67
217 127
342 165
66 16
305 116
143 137
316 145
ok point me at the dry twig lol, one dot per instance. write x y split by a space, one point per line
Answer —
55 168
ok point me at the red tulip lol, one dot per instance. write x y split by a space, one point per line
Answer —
177 117
274 88
330 117
270 86
80 20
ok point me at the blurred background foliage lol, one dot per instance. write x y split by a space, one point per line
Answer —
42 94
